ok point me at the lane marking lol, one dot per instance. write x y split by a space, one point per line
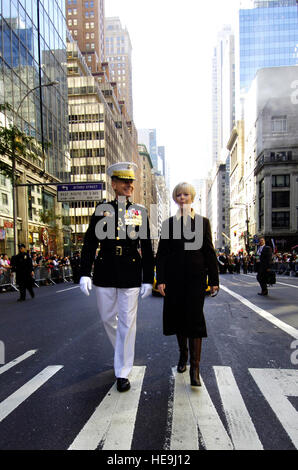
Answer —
18 397
64 290
113 420
194 408
290 330
277 282
242 430
16 361
276 385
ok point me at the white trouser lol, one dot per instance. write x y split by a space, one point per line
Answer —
118 311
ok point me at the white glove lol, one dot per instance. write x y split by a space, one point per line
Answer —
146 289
85 284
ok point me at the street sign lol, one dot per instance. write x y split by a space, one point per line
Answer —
79 192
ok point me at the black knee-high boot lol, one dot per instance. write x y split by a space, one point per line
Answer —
195 347
182 342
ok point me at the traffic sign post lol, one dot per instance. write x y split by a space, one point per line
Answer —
79 192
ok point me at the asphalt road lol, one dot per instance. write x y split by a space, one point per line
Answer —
57 387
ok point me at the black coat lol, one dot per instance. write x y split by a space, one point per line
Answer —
184 272
265 261
23 267
123 260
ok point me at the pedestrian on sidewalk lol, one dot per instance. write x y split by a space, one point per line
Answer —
183 265
121 272
263 265
23 267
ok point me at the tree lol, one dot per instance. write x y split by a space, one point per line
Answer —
15 143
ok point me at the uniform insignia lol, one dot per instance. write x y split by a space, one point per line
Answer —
133 217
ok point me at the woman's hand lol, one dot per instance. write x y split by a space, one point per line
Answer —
161 289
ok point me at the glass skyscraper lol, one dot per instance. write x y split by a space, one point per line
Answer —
268 37
33 53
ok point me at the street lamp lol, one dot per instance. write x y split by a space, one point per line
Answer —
14 196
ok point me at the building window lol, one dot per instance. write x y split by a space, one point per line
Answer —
87 25
279 124
75 32
75 22
87 35
69 22
4 199
280 199
280 181
75 11
281 219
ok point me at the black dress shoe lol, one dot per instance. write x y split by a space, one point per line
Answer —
263 293
123 385
21 300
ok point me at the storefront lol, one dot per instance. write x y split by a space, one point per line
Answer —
6 237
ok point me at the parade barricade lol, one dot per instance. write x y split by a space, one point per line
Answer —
7 279
285 268
66 273
42 274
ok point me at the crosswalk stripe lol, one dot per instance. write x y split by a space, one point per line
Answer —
276 385
18 397
194 408
16 361
263 313
242 430
114 419
184 426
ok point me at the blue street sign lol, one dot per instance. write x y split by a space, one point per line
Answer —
79 192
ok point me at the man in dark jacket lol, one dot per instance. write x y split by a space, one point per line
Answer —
120 271
263 265
23 267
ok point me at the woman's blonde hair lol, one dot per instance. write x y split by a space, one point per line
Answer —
185 188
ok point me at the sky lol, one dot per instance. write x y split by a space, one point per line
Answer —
173 43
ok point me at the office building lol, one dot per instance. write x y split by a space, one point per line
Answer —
271 119
267 37
118 54
33 54
85 21
100 135
148 138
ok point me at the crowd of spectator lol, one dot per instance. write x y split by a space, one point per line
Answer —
47 269
282 263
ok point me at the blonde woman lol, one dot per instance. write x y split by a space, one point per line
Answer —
185 258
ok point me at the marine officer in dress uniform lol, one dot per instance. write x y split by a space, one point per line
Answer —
123 268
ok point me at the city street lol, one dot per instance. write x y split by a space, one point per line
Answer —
57 387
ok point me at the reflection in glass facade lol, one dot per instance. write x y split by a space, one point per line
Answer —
32 53
268 37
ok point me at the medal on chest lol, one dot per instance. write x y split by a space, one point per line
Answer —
133 217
